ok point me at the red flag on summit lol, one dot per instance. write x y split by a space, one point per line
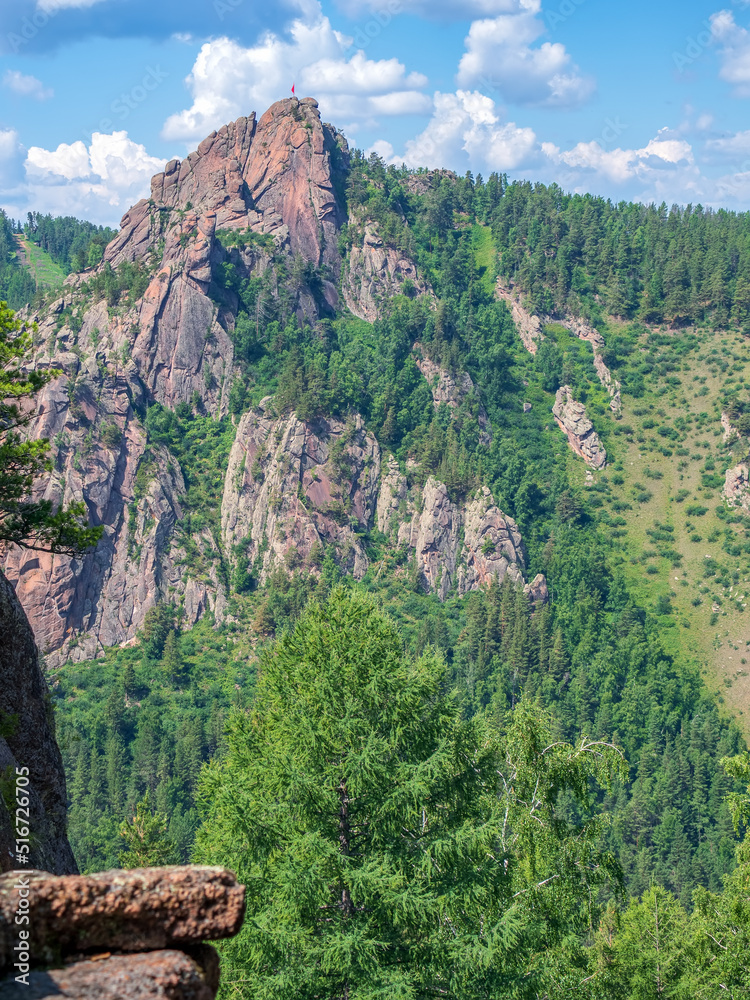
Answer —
292 88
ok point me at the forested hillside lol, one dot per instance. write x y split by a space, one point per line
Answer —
17 286
72 243
65 244
406 406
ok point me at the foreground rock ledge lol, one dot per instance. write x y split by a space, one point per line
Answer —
165 974
144 909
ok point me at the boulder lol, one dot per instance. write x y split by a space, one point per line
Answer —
167 974
143 909
572 419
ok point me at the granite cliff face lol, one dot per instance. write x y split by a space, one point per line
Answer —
293 487
254 194
28 742
296 489
276 177
374 272
464 545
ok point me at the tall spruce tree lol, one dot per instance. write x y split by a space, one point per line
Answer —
390 848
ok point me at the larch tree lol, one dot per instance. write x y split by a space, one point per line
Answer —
389 847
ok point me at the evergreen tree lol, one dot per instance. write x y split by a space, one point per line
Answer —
380 853
145 835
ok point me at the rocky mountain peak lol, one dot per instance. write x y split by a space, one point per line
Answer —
277 175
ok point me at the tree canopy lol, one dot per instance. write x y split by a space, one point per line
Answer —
390 847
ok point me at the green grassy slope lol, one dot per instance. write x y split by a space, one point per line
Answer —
46 272
682 550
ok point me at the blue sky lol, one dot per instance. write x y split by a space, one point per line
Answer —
639 100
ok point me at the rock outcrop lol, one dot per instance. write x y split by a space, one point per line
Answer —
453 391
294 488
98 447
531 331
277 176
730 432
584 331
537 591
736 490
118 934
274 180
572 420
295 491
27 745
143 909
374 272
529 326
461 545
152 976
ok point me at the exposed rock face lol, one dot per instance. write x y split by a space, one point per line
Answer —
453 391
529 326
584 331
461 545
374 272
277 176
392 499
530 330
143 909
609 382
730 432
492 543
29 742
131 934
171 975
537 591
737 486
434 537
98 444
292 487
572 420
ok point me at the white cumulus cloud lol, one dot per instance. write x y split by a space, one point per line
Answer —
26 86
466 130
620 165
730 146
734 53
228 80
68 161
98 182
501 55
